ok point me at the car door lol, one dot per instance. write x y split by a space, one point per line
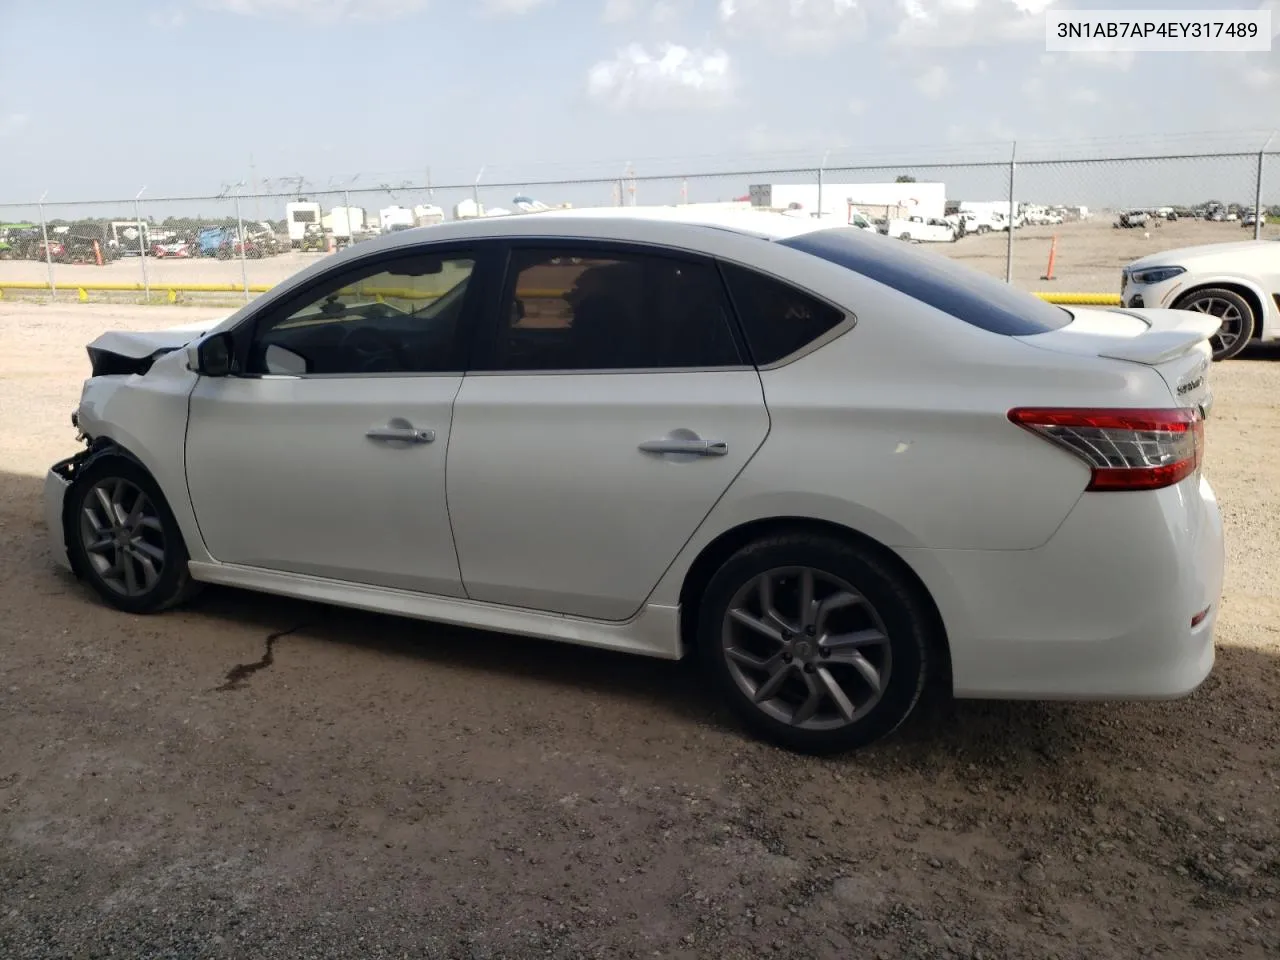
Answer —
325 455
609 408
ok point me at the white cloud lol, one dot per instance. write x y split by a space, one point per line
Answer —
664 12
674 77
171 18
1106 59
660 12
617 11
11 123
857 106
1259 78
321 10
795 23
512 8
964 23
933 82
1085 96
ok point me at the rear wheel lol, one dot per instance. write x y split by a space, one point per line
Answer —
123 537
1235 315
818 645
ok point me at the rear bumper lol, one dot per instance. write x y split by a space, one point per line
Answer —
55 495
1104 610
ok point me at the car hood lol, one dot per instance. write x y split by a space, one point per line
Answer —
140 344
1209 252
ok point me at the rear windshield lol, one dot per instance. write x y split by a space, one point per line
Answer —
951 287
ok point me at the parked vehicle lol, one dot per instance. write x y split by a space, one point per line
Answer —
1238 283
981 216
391 219
299 214
313 239
1133 218
180 249
833 468
344 225
919 229
209 241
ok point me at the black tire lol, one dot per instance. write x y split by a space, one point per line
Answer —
173 585
1202 301
902 611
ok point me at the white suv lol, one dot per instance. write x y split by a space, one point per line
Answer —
1237 282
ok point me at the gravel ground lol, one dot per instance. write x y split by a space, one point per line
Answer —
1089 257
258 777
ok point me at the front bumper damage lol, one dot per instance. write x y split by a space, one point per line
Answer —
57 483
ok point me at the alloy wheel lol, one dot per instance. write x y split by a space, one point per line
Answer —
806 648
123 536
1232 321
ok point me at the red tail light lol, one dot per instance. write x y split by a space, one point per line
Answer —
1127 449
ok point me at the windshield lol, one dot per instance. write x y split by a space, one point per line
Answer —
953 288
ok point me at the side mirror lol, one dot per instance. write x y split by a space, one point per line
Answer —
211 356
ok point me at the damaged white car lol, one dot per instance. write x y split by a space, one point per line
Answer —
835 469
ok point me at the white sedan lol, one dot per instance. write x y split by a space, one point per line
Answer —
1238 283
834 469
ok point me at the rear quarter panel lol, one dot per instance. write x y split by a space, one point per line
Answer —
899 430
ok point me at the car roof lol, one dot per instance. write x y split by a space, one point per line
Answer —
612 223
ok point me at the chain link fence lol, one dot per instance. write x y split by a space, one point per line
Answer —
1056 226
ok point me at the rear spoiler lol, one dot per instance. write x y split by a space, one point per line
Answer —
1172 333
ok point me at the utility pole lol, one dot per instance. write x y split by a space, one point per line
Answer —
1013 171
253 185
142 242
1257 197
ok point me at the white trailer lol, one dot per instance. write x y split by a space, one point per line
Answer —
343 223
395 218
427 214
918 199
298 214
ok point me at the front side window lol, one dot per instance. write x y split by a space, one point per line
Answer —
398 317
580 309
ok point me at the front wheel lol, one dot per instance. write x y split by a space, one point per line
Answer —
1236 316
123 538
818 645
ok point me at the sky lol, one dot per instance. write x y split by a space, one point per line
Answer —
189 97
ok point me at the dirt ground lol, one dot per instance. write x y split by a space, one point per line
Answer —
1089 257
259 777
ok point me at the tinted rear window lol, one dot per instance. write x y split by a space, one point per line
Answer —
951 287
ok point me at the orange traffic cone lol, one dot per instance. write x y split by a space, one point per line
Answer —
1053 255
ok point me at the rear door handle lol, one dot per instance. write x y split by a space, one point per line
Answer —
701 448
403 434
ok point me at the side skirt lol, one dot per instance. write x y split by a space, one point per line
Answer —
653 632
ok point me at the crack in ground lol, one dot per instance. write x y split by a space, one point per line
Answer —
241 672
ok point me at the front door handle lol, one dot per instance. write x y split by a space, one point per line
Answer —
701 448
403 434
